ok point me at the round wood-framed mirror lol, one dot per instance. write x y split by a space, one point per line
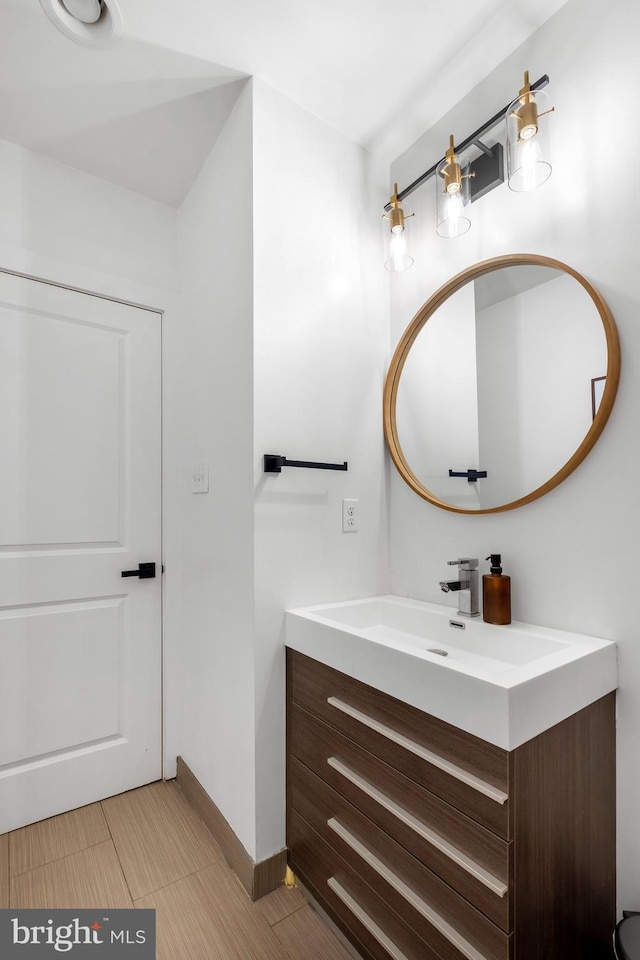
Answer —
501 384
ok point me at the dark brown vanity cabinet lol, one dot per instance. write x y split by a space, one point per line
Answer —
422 841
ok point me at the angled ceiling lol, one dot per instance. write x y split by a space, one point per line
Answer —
145 112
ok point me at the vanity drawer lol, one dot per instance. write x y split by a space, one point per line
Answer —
466 855
418 896
467 772
415 928
373 928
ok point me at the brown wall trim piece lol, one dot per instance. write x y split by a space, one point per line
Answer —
258 879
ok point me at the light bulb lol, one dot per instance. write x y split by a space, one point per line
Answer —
529 158
398 256
455 223
452 208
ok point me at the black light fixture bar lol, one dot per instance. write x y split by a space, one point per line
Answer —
488 171
472 139
488 152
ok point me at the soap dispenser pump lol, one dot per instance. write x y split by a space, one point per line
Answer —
496 593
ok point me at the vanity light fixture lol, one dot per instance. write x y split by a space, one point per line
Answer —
529 166
452 194
528 163
397 234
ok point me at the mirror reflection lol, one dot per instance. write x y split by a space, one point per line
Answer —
502 378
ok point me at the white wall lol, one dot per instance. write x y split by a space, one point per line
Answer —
537 354
283 340
437 401
212 371
67 226
320 344
571 554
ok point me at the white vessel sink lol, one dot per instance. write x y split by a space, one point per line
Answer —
504 684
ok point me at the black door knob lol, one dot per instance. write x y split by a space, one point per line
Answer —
146 571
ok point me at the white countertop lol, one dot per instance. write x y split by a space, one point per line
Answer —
504 684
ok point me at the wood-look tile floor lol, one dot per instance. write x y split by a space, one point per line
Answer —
149 849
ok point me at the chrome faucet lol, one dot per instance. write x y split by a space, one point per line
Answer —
467 584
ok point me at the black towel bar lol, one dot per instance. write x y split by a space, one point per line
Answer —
274 464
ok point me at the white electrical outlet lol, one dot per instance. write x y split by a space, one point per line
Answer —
349 516
200 477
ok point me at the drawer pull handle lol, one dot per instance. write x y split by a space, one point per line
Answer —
447 931
366 920
488 879
475 782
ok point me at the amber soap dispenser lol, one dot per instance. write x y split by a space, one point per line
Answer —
496 593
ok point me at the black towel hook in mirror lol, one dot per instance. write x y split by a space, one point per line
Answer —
472 475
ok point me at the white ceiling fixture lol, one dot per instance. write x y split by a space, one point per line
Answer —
90 22
88 11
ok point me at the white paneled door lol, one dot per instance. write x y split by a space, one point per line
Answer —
80 645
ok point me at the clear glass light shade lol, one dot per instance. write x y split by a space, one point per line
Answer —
452 198
397 231
528 153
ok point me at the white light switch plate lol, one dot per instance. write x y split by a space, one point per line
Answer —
200 477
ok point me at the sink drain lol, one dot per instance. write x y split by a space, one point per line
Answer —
441 653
